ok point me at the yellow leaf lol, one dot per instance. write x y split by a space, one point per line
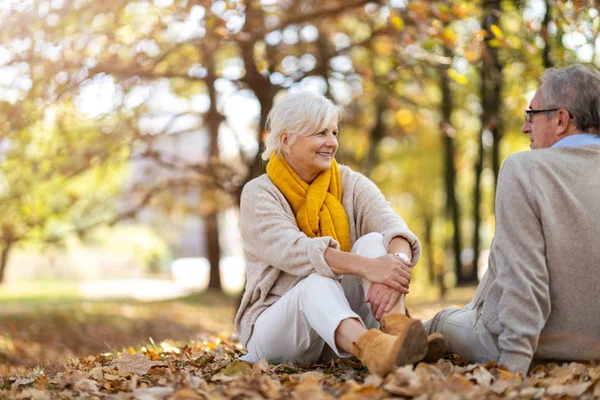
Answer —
458 78
449 36
397 22
237 368
404 118
495 43
497 31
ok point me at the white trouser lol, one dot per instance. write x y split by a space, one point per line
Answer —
463 329
299 325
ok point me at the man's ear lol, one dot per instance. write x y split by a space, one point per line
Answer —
563 121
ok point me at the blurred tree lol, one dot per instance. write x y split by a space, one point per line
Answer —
155 83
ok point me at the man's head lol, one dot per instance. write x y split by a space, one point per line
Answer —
567 102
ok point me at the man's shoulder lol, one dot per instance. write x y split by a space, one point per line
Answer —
551 157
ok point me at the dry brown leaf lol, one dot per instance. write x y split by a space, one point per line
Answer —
445 367
152 393
136 363
85 385
373 380
33 394
501 386
364 392
22 382
97 373
314 375
269 387
482 377
110 377
187 394
572 390
404 382
458 384
310 388
53 368
531 393
428 373
260 367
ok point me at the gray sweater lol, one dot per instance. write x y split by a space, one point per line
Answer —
545 259
279 255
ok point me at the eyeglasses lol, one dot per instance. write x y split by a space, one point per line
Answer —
530 113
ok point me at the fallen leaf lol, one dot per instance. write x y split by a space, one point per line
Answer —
85 385
269 387
96 373
373 380
503 385
33 394
110 377
310 388
532 393
314 375
187 394
152 393
458 384
137 363
53 368
260 367
482 377
22 382
572 390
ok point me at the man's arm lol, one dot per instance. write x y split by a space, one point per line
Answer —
518 252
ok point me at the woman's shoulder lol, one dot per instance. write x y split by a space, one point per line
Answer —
258 186
350 176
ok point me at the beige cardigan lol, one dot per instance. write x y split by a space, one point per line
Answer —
544 267
278 255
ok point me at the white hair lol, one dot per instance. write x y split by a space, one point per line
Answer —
577 89
303 114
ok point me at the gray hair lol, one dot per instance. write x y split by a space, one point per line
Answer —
577 89
298 114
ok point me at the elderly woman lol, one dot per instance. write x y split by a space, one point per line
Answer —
321 242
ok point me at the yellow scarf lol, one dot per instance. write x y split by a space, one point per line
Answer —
318 206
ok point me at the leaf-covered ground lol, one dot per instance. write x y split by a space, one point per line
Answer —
77 349
209 369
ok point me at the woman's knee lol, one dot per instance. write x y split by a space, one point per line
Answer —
316 282
370 245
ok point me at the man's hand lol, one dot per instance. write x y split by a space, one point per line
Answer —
382 299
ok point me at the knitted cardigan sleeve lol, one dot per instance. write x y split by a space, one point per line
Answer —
272 235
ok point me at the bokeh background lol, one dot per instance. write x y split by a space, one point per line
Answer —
128 129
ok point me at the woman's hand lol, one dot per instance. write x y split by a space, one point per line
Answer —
382 299
388 270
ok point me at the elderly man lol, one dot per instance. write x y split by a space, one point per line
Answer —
539 298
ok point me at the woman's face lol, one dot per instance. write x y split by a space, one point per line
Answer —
310 155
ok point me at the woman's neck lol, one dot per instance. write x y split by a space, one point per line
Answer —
306 176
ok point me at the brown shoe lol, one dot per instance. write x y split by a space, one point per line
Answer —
381 353
436 347
393 324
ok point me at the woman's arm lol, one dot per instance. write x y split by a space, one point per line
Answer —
400 245
389 270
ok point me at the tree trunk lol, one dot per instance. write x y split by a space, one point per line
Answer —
428 247
213 249
4 254
452 207
213 120
491 122
547 60
377 133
